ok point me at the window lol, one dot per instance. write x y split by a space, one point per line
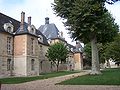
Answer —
9 45
32 64
32 29
40 38
8 64
40 47
8 27
32 46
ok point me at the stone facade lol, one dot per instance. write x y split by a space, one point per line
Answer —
20 49
5 55
23 49
78 61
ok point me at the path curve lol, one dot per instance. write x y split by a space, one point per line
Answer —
49 84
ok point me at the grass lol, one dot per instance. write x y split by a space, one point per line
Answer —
15 80
108 77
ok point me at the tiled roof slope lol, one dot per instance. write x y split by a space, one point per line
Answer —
49 30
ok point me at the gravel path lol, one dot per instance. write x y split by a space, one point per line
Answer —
49 84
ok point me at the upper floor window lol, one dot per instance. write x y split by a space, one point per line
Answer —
9 45
41 48
32 46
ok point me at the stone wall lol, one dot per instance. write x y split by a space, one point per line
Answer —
24 55
4 55
78 61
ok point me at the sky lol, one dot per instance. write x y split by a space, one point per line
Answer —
39 9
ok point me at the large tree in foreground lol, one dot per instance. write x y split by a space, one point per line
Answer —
57 53
87 21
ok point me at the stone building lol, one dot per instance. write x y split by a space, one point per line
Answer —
53 35
23 47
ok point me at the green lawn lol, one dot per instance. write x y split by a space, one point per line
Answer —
15 80
108 77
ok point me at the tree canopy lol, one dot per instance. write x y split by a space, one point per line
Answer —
87 21
86 18
113 49
57 53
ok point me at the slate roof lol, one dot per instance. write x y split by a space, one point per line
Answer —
45 42
6 19
75 49
50 31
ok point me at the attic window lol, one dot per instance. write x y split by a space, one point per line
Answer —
8 27
40 39
32 29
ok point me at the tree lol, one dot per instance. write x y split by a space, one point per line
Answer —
57 53
113 49
87 21
101 50
88 57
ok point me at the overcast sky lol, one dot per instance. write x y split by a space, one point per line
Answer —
39 9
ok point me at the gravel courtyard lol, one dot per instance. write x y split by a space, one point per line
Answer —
49 84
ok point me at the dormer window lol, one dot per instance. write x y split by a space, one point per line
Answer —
32 29
40 39
8 27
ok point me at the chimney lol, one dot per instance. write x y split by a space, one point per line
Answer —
29 20
46 20
22 21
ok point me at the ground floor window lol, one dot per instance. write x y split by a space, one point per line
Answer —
8 64
32 64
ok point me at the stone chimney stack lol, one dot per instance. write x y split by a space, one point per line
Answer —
22 21
46 20
29 20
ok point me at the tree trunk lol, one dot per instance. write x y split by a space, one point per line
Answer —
95 57
57 66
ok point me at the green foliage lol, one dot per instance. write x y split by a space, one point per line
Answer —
101 50
86 19
106 51
88 54
113 49
57 53
108 77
